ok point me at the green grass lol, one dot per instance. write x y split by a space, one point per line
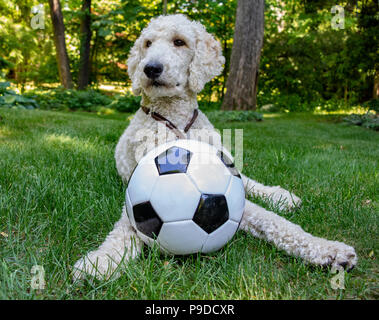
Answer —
60 196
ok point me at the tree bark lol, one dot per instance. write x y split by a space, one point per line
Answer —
241 86
375 91
85 46
164 11
60 44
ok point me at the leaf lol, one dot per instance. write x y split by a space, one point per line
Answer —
8 99
104 32
4 85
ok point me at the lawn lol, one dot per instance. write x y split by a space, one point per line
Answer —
60 196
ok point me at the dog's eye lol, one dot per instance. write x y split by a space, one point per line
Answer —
148 43
179 43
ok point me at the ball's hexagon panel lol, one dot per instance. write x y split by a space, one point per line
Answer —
203 166
146 219
235 198
175 197
228 162
182 237
212 212
142 182
173 160
129 209
218 238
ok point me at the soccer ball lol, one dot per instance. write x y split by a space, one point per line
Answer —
186 196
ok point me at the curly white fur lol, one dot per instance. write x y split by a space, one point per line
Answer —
186 69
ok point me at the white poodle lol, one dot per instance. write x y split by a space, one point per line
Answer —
169 64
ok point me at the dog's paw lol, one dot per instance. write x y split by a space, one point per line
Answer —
96 264
284 199
338 254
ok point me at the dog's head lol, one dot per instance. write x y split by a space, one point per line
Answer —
173 55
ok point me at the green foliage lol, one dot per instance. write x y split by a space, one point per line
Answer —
234 116
10 99
305 64
368 120
85 100
60 99
304 57
126 103
373 105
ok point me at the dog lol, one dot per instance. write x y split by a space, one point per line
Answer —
169 65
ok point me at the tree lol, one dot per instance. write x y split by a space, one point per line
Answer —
164 7
60 44
241 86
85 46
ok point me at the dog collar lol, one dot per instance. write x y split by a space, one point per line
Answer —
158 117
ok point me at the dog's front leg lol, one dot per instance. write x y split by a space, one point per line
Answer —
121 244
283 198
294 240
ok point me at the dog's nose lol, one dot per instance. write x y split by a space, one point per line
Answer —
153 70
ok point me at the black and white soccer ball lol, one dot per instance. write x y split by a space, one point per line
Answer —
186 196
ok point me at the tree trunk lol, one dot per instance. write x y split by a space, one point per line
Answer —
164 7
241 86
60 44
375 91
85 46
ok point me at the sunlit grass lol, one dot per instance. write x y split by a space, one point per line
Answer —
272 115
4 132
354 109
60 196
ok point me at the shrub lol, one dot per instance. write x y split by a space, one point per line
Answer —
126 103
209 105
63 99
10 99
368 120
373 105
234 116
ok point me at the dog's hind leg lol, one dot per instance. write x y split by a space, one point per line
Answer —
121 244
283 198
294 240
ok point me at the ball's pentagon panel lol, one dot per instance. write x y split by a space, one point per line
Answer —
139 189
228 163
217 239
235 198
202 167
146 219
182 237
175 197
173 160
212 212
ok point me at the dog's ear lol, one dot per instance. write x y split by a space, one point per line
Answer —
208 59
133 61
